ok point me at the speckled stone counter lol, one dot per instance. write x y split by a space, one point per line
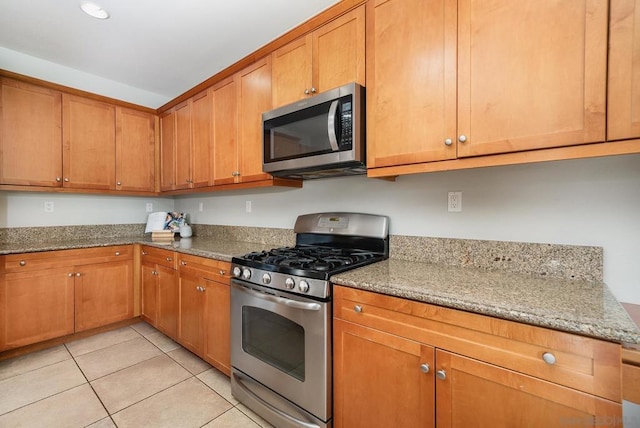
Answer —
587 308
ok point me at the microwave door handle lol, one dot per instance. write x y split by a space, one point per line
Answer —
331 126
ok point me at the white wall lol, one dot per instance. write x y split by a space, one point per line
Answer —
579 202
25 209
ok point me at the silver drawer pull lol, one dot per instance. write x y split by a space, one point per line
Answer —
549 358
117 253
223 272
22 263
169 259
183 263
357 308
144 253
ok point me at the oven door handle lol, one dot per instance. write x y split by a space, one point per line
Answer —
280 300
331 126
270 407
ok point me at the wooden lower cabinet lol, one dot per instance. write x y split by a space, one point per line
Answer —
160 289
35 306
103 294
204 309
396 363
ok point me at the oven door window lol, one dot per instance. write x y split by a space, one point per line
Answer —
274 340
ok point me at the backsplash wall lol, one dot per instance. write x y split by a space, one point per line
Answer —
592 202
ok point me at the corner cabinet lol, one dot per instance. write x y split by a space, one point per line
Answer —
501 77
135 150
330 56
446 368
55 293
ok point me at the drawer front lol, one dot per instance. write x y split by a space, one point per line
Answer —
25 262
214 270
582 363
158 256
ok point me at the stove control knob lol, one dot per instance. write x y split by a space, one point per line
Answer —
266 278
304 286
289 283
237 271
246 273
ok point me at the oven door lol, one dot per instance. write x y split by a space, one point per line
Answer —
281 341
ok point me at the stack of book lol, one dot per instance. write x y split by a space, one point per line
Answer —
162 236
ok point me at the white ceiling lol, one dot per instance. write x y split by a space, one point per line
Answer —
164 47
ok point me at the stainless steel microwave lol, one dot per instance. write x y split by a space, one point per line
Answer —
321 136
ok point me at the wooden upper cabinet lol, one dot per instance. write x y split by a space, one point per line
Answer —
254 86
30 135
531 74
167 150
623 110
201 136
88 134
225 132
186 144
411 87
135 150
330 56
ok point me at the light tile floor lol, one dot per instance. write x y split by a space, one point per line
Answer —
131 377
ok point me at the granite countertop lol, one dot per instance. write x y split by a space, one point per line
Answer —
586 308
582 307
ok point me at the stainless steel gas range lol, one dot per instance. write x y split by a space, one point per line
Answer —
281 311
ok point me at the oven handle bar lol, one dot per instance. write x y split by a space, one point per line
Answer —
270 407
280 300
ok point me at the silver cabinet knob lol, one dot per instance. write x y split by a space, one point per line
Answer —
169 259
357 308
441 374
144 253
424 368
448 142
58 179
78 274
66 180
313 90
23 263
306 92
154 272
549 358
117 253
462 138
236 173
119 183
70 274
223 272
183 263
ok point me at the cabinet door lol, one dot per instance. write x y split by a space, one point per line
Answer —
531 74
623 110
254 85
386 369
201 119
35 306
225 132
168 298
149 293
478 394
30 135
135 150
103 294
217 321
183 149
167 151
411 86
292 71
88 132
338 51
191 324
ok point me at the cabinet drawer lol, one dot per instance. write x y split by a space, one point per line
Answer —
214 270
582 363
50 259
158 256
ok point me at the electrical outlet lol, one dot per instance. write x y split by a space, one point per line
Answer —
247 206
455 202
149 207
201 206
48 206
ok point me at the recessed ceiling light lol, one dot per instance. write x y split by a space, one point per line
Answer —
94 10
